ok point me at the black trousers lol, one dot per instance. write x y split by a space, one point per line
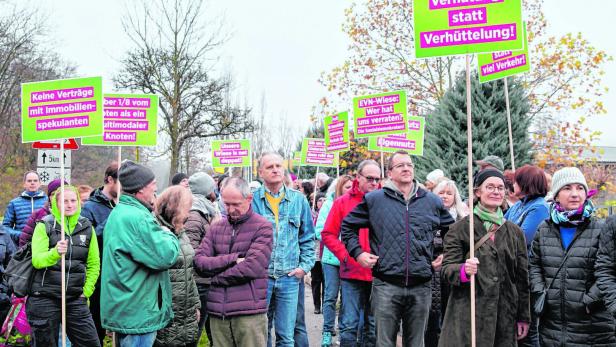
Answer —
45 316
317 284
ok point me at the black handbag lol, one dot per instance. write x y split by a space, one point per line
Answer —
539 297
20 272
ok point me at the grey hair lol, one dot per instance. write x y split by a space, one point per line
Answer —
267 154
364 163
332 188
238 183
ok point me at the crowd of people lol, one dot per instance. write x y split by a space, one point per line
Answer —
386 253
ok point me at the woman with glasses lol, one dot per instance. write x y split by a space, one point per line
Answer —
562 269
500 268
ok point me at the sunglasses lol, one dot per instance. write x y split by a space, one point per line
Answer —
371 179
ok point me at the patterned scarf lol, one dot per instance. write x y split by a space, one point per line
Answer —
488 217
560 216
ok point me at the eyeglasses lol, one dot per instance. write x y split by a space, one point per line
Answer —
401 165
371 179
492 189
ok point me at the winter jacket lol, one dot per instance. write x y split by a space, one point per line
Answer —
185 299
294 235
18 211
7 248
196 227
97 210
605 267
401 232
135 283
236 289
566 321
349 268
501 286
327 257
82 263
28 230
528 214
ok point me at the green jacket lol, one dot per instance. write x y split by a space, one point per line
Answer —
135 284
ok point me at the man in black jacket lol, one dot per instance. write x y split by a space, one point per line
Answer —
402 219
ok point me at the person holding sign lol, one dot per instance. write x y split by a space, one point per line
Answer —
293 246
401 219
44 306
500 268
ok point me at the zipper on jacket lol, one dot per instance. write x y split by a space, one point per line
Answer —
406 277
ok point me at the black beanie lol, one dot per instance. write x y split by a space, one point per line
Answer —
133 176
177 178
483 175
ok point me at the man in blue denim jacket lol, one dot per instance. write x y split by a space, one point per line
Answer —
293 250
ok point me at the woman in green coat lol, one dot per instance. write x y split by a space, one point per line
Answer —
172 208
500 267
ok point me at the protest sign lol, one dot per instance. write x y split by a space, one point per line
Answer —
231 153
128 120
451 27
380 114
297 159
337 132
412 141
497 65
315 154
61 109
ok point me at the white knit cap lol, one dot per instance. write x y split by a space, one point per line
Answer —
567 175
435 175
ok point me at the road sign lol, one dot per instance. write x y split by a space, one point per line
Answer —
69 144
48 174
51 158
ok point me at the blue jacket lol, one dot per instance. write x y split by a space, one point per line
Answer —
18 211
7 248
97 210
327 257
294 236
528 215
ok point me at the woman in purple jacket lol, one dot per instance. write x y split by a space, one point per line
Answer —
235 253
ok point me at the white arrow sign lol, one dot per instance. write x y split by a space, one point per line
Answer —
51 158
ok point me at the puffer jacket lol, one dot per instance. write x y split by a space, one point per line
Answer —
197 225
184 298
28 230
566 320
236 289
18 211
401 232
605 267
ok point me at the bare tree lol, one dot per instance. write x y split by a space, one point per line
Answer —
171 50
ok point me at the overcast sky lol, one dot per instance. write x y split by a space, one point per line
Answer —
279 48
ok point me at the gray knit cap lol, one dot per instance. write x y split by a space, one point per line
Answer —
201 183
567 175
134 176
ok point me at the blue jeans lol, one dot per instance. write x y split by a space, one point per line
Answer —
331 276
143 340
301 335
282 294
356 309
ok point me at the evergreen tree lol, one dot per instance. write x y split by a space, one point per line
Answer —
446 129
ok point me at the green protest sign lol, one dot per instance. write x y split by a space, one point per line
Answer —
380 114
451 27
314 154
337 132
497 65
412 141
128 120
59 109
231 153
297 159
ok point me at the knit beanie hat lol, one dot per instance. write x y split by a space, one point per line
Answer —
567 175
435 175
177 178
201 183
483 175
134 176
54 185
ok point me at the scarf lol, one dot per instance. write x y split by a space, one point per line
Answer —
204 205
453 212
488 217
560 216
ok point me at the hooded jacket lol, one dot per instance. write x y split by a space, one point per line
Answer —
82 257
19 209
401 232
349 268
